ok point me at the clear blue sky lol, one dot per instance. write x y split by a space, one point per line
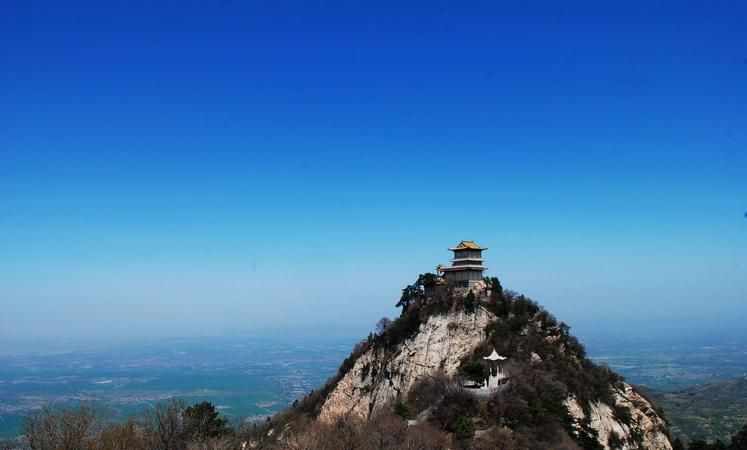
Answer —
210 167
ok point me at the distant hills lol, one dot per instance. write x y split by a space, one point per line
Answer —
713 410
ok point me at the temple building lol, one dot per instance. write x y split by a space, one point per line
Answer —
466 266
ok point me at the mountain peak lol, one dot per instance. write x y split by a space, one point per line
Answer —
548 391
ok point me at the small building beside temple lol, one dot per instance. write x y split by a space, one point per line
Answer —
466 266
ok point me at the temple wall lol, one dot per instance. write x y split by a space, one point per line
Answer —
465 275
468 254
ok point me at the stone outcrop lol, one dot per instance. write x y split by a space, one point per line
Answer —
378 377
643 429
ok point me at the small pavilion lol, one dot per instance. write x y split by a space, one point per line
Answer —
496 374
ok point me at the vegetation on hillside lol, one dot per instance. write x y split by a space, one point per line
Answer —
169 425
174 426
546 364
738 441
709 411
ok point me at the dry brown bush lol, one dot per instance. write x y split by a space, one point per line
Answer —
428 392
426 437
385 431
64 429
457 402
496 438
546 437
164 426
120 436
219 443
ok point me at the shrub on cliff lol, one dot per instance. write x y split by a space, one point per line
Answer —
201 420
452 409
474 370
415 292
428 391
470 303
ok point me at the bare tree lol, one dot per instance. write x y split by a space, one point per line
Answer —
12 444
121 436
382 325
220 443
426 437
385 431
65 429
164 426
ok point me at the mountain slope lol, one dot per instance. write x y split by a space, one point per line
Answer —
428 367
380 377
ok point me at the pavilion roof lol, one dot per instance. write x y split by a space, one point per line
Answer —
467 245
494 357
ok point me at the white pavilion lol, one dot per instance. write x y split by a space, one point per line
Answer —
496 374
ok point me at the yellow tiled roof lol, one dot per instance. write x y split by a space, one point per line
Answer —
468 244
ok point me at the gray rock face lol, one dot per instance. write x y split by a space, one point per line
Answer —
644 430
378 378
439 344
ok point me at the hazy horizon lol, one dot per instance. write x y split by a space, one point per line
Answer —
213 169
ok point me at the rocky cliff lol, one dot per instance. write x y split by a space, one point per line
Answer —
645 429
552 385
379 377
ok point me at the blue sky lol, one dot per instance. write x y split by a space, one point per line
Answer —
225 166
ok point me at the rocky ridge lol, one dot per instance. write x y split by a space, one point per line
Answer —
439 344
380 376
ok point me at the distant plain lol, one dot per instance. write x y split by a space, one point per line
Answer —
249 377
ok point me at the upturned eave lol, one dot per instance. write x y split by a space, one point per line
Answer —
464 267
